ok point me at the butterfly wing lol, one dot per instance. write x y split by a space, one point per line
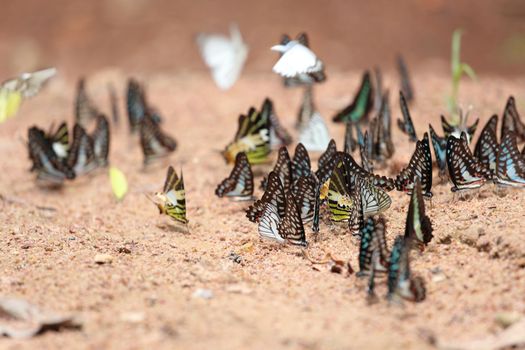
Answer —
487 146
419 166
440 148
240 182
291 226
360 106
81 157
297 60
315 136
301 165
406 126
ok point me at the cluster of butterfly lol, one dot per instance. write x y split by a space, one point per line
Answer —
55 159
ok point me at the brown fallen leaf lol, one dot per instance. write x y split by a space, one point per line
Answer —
21 319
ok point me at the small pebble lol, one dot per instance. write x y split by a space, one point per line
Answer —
506 319
202 293
103 259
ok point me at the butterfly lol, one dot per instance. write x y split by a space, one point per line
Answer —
136 104
487 146
81 156
252 137
406 85
510 164
465 171
85 109
400 282
341 197
50 169
354 170
113 101
462 127
373 241
440 151
224 56
378 90
26 85
406 125
511 120
371 296
418 226
101 139
283 168
298 60
301 165
326 162
287 228
361 105
419 166
304 78
365 150
239 184
305 191
350 142
172 200
274 193
314 136
373 199
382 141
278 134
59 140
155 143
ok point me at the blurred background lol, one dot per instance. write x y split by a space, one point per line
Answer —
142 36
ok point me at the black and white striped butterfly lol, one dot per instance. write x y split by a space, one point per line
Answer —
81 156
278 134
287 228
406 85
406 125
239 184
373 241
283 168
373 199
305 190
465 171
487 146
511 120
401 283
418 227
85 109
274 194
419 166
301 165
440 151
101 140
355 170
510 164
365 150
155 142
326 162
49 168
456 131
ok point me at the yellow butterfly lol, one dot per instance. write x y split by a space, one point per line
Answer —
172 200
13 91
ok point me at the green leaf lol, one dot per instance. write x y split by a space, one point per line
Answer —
468 71
456 50
118 181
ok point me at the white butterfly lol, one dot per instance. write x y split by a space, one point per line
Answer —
314 135
225 56
296 59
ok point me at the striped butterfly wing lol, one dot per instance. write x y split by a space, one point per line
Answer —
274 193
360 106
279 136
354 171
305 191
240 181
283 167
326 162
85 109
301 165
367 246
155 143
101 139
340 199
59 140
374 200
510 165
419 166
81 157
399 268
462 166
406 85
291 226
350 142
406 125
269 223
511 120
176 196
487 146
365 150
440 150
135 104
418 227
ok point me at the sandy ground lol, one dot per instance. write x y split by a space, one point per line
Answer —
274 298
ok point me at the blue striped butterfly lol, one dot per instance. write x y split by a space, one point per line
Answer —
440 151
301 165
406 85
305 192
511 120
406 125
487 146
239 184
365 150
373 251
274 193
283 168
419 166
401 283
361 105
464 170
510 164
